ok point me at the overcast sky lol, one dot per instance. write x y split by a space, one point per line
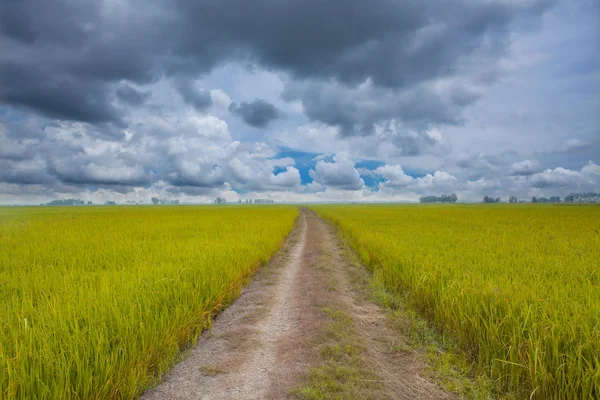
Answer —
298 100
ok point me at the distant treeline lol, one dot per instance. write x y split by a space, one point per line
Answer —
75 202
589 197
222 200
68 202
445 198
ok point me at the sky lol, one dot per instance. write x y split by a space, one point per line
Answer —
298 100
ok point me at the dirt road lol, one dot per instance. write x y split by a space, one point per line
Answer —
279 339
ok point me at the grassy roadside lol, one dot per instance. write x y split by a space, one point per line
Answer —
447 364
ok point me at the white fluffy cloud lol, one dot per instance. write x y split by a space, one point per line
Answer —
394 176
339 174
587 179
395 180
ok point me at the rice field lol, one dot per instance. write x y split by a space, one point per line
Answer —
97 302
518 286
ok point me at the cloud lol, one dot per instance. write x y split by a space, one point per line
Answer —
198 98
554 178
591 172
131 95
257 113
586 179
77 61
440 180
288 178
339 174
58 97
78 172
220 98
571 145
526 167
132 98
394 176
194 154
357 110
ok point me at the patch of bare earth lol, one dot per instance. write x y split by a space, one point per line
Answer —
277 336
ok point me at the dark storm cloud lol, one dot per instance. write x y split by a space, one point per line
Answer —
69 55
198 98
63 97
21 173
63 59
396 43
131 95
357 111
257 113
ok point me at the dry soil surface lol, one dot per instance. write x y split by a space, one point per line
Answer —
264 344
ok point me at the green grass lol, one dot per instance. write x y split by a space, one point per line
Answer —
97 302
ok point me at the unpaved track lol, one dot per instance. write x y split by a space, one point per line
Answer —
262 346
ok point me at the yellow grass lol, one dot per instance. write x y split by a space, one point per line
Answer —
517 285
95 302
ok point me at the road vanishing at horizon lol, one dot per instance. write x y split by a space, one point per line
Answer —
303 320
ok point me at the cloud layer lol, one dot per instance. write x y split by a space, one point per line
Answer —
393 99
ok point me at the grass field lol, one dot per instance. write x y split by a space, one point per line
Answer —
95 302
518 286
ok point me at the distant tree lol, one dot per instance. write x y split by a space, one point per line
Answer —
497 200
554 199
534 199
513 200
89 203
155 200
239 201
441 199
110 203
